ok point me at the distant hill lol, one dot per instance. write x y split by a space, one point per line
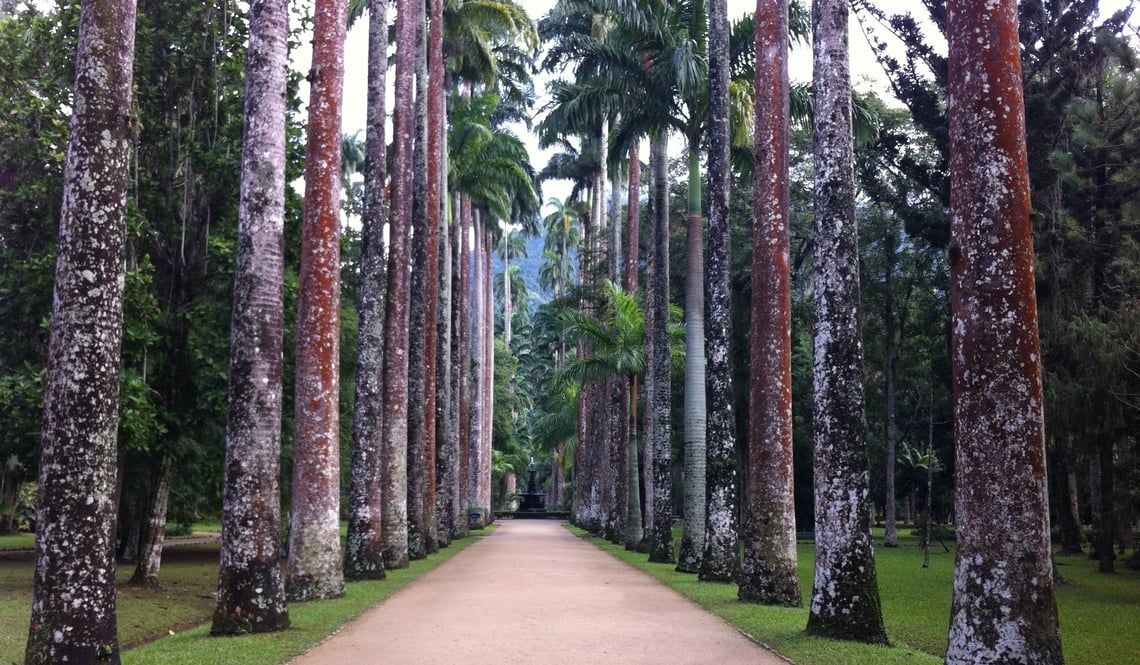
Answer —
530 264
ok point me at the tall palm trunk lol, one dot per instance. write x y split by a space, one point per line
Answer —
251 591
461 352
721 560
418 331
845 592
693 535
394 445
890 434
768 570
438 206
488 379
314 569
478 359
364 544
1003 608
75 512
634 530
657 444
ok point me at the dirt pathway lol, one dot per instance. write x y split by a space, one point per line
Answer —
534 593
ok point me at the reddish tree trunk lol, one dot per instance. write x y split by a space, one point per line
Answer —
75 511
394 444
768 572
1003 608
314 569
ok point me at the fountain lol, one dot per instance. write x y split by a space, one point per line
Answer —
533 501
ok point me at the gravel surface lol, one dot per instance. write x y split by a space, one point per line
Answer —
532 592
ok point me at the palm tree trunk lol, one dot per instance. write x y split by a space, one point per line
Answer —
890 333
479 358
693 535
418 468
998 419
150 550
440 218
488 378
659 468
364 545
251 591
461 353
314 569
720 561
394 450
845 592
768 570
75 515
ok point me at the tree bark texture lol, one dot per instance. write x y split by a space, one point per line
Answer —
658 387
1003 608
890 434
478 360
73 593
845 591
150 550
315 566
447 436
364 544
720 561
768 569
418 468
394 445
461 354
251 589
695 405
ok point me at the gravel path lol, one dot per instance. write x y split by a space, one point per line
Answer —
532 592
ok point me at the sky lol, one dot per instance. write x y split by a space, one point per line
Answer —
865 71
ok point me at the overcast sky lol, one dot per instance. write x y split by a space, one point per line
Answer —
865 71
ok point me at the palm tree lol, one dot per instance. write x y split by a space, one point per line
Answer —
845 593
422 538
314 568
364 545
75 511
394 443
512 244
768 569
251 593
561 237
1003 607
720 560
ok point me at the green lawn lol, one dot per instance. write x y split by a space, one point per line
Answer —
1099 613
169 625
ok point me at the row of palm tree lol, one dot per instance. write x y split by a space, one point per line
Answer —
408 354
650 68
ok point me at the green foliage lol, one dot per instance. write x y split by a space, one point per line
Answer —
1096 612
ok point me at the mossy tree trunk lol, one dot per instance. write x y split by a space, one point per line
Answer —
364 545
768 569
1003 608
251 589
845 592
75 509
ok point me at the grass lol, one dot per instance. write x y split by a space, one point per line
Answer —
17 541
178 612
1098 614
